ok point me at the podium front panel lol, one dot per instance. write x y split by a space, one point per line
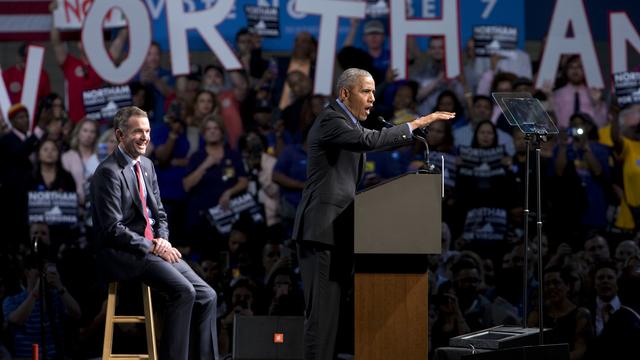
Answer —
400 216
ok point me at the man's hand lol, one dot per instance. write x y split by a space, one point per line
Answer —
428 119
53 278
161 246
172 255
176 128
147 75
225 199
211 160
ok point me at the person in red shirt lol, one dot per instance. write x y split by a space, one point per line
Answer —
79 75
14 78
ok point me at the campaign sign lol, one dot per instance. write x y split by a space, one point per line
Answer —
481 163
627 87
264 20
494 39
53 207
485 224
223 219
70 14
102 104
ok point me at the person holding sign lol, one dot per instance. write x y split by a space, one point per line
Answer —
323 225
215 174
131 235
79 75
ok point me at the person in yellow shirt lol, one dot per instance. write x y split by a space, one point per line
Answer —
625 135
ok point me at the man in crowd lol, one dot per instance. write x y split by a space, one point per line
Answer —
14 78
605 276
16 168
132 232
323 226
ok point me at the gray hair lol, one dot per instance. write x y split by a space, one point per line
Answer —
121 120
349 78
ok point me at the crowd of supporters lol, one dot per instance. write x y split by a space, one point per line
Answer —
219 135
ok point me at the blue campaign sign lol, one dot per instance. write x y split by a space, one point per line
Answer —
491 12
472 13
291 23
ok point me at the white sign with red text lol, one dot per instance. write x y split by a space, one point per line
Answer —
70 15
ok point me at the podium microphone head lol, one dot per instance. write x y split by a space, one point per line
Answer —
384 122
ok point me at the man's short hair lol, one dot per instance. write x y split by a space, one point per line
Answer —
349 78
604 264
15 109
121 120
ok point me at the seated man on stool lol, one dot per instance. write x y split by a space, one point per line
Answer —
132 234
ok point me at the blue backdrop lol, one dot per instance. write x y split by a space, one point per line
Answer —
472 12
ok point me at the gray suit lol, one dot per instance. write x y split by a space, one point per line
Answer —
324 219
124 253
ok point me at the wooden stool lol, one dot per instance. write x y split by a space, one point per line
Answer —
112 318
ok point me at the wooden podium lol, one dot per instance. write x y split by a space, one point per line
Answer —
397 223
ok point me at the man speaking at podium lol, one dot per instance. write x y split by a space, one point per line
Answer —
324 220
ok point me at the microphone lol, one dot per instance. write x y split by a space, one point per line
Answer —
420 134
384 122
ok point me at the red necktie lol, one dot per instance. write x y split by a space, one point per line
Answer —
147 230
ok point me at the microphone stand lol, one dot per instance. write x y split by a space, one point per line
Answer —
420 134
429 168
42 289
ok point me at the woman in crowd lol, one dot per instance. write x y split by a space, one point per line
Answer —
49 175
106 144
53 117
82 160
448 101
204 105
214 175
483 191
569 323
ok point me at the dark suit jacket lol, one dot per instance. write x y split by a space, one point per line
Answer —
15 166
335 166
16 173
118 216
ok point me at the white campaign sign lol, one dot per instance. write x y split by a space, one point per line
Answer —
330 11
35 56
205 22
139 39
569 14
622 32
446 26
70 15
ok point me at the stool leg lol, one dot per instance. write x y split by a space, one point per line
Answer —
150 328
108 323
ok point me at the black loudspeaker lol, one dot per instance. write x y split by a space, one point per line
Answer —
268 337
536 352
